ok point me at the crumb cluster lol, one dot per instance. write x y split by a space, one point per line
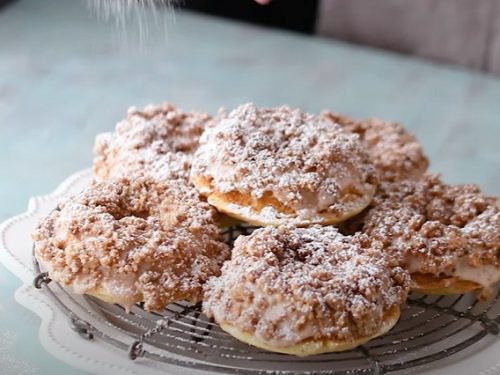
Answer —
396 154
435 226
135 240
289 284
158 141
305 163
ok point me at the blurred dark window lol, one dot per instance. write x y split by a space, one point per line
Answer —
297 15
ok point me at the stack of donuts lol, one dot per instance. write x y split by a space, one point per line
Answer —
348 220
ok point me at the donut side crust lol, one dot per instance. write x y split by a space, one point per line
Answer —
431 284
313 347
244 208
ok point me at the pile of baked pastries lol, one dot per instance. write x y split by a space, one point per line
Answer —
350 222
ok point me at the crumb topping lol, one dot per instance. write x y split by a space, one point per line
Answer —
158 141
136 240
298 159
436 227
396 154
289 284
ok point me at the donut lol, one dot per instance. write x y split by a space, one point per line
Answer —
282 166
448 236
396 154
158 141
127 241
306 291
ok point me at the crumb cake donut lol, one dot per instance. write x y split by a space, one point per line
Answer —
448 236
280 165
396 154
306 291
158 141
128 241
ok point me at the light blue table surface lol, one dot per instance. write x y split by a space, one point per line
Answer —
66 75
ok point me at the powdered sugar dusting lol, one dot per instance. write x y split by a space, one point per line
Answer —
396 154
435 226
303 162
134 240
158 141
288 284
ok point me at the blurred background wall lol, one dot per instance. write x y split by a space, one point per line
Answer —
462 32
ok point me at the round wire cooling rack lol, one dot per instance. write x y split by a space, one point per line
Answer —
430 328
